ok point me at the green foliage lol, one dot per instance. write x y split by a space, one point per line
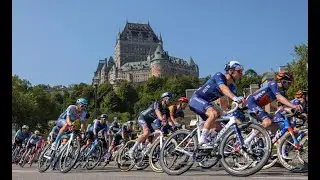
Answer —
36 106
299 69
248 78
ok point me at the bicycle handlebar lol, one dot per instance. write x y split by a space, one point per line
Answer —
234 109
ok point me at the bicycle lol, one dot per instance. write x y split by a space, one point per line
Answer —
57 158
194 153
288 126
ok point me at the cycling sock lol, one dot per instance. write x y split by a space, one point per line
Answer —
57 138
252 135
203 136
135 145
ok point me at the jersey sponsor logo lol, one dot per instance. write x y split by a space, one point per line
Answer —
205 89
259 95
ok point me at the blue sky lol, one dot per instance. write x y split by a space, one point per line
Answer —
60 42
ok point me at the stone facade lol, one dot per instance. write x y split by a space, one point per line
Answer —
139 55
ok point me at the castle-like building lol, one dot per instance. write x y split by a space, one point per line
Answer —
139 55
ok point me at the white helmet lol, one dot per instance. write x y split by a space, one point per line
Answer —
25 127
36 132
233 64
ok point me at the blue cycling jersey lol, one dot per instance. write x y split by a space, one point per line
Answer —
266 94
98 126
34 139
71 111
22 136
210 91
298 102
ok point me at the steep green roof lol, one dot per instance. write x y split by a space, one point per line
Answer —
135 66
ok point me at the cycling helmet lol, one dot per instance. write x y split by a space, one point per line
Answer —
183 99
82 101
166 94
299 94
130 122
36 132
284 76
233 64
105 116
25 127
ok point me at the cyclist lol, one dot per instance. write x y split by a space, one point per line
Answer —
274 90
217 86
98 125
157 110
300 98
32 142
21 135
123 133
53 134
176 111
72 113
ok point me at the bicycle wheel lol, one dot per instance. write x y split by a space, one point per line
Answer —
154 157
96 155
69 156
292 158
168 151
124 162
43 162
273 159
256 164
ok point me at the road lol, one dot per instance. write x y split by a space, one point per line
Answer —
112 173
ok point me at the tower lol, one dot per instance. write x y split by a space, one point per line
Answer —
158 62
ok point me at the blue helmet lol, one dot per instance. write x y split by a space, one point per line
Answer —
166 94
82 101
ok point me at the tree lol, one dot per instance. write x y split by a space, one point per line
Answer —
111 103
299 69
248 78
128 96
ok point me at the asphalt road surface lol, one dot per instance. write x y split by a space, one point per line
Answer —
112 173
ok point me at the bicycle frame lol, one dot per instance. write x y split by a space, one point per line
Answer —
231 122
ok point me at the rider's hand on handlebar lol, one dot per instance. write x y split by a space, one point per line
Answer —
238 99
69 123
298 108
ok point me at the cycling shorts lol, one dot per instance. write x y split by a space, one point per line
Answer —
199 106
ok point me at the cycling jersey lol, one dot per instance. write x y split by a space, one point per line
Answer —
114 127
262 97
34 139
149 115
267 94
298 102
71 111
175 112
98 126
210 91
20 136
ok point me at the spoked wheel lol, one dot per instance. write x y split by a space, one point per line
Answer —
245 161
154 157
273 159
175 162
209 161
43 161
25 158
289 156
94 158
69 158
141 161
124 162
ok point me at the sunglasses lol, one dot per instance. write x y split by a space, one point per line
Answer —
83 106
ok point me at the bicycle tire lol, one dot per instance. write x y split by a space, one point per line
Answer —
162 152
283 162
77 152
246 172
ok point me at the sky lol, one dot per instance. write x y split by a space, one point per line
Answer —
60 42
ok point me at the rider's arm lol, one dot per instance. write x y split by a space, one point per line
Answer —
226 91
95 125
171 118
159 114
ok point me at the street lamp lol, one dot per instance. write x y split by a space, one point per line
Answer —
95 84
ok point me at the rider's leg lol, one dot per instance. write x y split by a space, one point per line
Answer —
212 115
62 125
142 138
